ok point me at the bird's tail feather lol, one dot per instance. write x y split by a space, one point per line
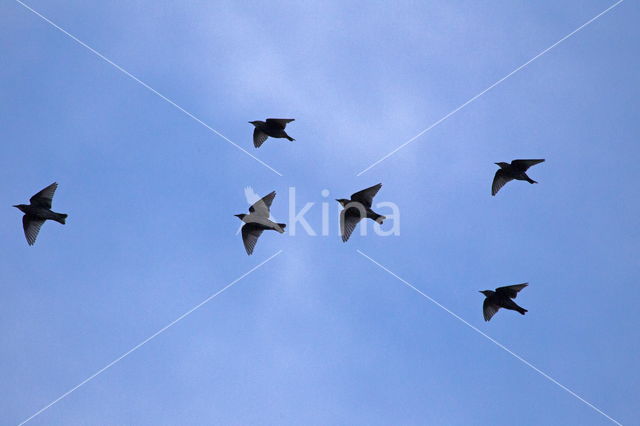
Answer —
281 227
290 138
522 311
62 218
380 219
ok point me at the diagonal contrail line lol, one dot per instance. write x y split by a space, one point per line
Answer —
145 85
491 87
145 341
491 339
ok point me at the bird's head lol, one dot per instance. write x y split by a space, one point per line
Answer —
343 201
486 292
240 216
502 164
21 207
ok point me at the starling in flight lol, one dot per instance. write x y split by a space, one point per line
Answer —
38 211
257 221
516 170
501 298
273 127
356 209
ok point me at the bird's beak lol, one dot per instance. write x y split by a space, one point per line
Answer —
15 206
237 215
479 291
496 164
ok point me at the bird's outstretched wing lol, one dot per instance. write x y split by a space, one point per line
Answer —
348 222
511 291
366 195
250 234
499 180
31 227
489 309
45 197
280 122
262 206
525 164
259 137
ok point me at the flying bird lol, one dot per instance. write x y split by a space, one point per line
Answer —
516 170
273 127
257 221
501 298
38 211
357 208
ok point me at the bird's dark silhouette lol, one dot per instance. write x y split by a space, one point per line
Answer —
357 208
516 170
501 298
257 221
273 127
39 211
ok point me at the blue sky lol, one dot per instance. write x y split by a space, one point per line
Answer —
319 335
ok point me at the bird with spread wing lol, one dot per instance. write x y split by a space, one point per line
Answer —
501 298
273 127
508 172
258 221
38 211
358 208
